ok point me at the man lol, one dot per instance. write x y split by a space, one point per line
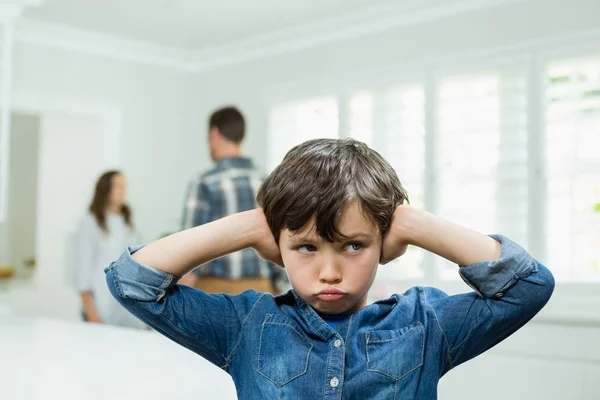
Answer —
228 188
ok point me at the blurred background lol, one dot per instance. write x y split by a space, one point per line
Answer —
489 111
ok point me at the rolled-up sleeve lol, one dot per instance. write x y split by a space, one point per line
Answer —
208 324
493 278
507 294
136 281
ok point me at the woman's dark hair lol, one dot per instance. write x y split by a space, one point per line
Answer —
101 198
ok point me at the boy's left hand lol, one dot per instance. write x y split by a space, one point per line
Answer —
264 242
395 242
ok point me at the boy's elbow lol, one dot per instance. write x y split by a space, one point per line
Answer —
112 284
544 287
550 283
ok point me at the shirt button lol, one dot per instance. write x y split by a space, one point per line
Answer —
334 382
499 295
337 343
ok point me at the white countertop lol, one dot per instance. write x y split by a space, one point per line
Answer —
53 359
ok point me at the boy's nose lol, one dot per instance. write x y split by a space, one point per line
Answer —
330 272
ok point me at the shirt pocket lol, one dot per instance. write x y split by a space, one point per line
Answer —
395 353
283 352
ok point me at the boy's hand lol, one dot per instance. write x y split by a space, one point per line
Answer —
395 241
263 242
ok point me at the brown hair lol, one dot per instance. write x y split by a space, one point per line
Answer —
319 177
230 122
100 201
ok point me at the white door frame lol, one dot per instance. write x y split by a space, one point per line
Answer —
41 103
44 103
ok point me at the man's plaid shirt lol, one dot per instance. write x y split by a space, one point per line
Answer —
230 187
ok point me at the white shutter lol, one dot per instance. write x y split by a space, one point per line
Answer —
360 115
392 122
403 144
482 164
295 122
573 168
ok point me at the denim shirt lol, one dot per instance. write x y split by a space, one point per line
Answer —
398 348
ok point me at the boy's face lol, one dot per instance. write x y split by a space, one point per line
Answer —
333 277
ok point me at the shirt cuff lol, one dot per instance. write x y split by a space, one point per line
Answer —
138 281
493 278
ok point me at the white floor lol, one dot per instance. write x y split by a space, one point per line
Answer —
52 359
46 352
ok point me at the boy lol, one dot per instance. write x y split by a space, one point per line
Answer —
330 213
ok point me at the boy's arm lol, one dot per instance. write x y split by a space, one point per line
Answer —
144 281
510 286
453 242
181 252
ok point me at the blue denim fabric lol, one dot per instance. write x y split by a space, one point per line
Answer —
398 348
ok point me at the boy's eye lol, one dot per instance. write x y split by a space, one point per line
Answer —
354 247
307 248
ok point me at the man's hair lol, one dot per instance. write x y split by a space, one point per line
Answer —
320 177
230 122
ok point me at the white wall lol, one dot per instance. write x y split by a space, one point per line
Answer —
5 253
388 55
73 153
23 188
541 361
4 243
163 121
17 239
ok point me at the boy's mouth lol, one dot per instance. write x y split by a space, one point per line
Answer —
330 294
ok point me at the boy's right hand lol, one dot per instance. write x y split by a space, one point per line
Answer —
264 242
395 242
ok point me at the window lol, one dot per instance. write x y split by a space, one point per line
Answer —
361 117
573 168
482 163
295 122
476 127
392 122
403 145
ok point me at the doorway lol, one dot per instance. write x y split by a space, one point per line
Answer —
57 153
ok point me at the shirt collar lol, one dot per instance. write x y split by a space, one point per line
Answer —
234 162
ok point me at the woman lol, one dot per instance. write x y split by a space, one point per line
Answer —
102 235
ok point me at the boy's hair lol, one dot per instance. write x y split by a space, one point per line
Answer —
319 177
230 122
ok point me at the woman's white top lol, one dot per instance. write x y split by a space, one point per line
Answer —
94 251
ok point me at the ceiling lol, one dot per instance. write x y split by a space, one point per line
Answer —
199 35
195 24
